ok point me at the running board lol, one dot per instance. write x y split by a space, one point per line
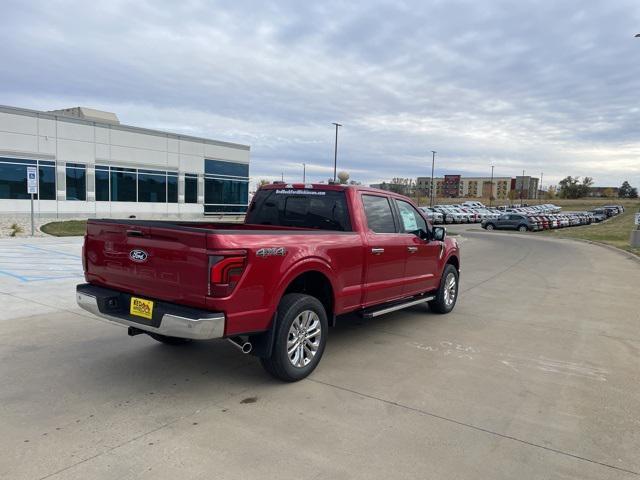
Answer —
398 306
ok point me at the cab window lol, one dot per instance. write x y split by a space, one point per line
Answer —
410 219
379 214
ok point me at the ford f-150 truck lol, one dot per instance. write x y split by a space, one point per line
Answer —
305 255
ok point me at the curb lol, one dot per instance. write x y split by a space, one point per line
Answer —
624 253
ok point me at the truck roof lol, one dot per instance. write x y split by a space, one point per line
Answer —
327 186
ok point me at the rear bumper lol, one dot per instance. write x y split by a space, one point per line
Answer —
168 319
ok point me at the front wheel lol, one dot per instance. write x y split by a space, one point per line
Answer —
448 292
301 335
523 228
489 226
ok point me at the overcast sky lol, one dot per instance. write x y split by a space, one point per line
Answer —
537 85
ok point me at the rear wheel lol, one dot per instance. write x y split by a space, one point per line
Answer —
523 228
300 338
448 292
169 340
489 226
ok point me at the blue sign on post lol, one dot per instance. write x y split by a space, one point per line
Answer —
32 188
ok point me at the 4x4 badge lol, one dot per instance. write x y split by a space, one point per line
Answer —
272 251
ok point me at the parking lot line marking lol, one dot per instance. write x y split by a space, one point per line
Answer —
19 277
473 427
32 247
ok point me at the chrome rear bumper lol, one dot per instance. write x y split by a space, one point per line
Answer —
169 319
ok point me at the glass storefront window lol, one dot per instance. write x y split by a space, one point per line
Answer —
13 178
76 174
123 184
172 187
152 186
190 188
232 169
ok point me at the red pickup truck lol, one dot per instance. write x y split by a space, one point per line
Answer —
305 255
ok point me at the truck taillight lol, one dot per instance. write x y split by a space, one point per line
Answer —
225 273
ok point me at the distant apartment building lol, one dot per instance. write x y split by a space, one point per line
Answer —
457 186
603 192
525 186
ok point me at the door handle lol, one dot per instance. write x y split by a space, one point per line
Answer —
134 233
412 249
377 251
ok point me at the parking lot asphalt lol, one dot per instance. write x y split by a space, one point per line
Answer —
534 375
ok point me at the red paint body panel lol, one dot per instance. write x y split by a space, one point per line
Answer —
177 267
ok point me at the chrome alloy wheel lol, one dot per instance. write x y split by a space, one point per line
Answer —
450 289
303 340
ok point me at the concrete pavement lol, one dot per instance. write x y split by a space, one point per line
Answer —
534 375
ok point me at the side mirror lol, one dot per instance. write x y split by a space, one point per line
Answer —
439 233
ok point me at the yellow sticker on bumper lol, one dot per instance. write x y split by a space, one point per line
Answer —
141 308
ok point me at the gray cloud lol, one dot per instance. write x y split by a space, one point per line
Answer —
535 85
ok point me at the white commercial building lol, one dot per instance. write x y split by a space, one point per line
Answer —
91 165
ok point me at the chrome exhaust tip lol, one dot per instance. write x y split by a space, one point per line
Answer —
244 346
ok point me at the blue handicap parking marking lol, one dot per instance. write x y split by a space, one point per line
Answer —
30 263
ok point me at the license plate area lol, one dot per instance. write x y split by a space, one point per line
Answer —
141 307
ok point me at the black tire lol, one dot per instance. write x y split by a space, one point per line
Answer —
489 226
523 228
169 340
440 303
279 364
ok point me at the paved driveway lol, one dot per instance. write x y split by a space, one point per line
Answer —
534 375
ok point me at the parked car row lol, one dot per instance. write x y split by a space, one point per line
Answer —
535 222
476 212
459 213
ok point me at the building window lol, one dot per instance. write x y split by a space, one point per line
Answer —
230 194
152 186
226 169
13 178
172 187
190 188
76 181
123 184
130 185
102 183
226 187
46 180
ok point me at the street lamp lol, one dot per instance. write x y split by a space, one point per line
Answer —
521 187
335 152
304 173
433 163
491 191
540 187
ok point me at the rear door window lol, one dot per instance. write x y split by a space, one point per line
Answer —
379 214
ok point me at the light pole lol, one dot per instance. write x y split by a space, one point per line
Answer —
521 187
433 164
304 173
335 152
540 188
491 191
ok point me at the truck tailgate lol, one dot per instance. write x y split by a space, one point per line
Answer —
165 262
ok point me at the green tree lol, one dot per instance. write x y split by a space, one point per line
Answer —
551 192
261 183
572 187
627 191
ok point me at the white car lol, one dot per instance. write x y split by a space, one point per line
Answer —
433 215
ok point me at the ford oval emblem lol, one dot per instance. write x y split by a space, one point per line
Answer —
138 255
